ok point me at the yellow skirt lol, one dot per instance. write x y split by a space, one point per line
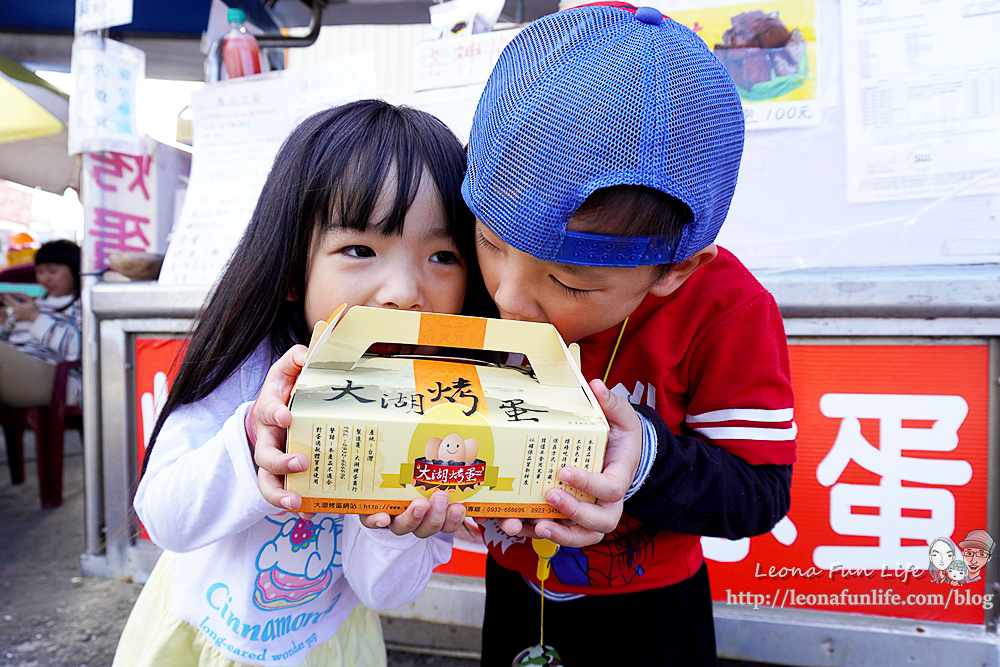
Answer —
155 637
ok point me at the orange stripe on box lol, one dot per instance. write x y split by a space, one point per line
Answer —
450 331
439 382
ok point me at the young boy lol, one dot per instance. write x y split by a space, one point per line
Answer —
602 160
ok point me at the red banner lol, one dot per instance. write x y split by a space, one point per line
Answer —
156 362
893 454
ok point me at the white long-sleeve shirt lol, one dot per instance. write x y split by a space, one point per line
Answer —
254 579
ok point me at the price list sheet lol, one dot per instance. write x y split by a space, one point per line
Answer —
922 98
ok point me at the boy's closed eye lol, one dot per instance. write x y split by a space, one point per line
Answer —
482 241
571 291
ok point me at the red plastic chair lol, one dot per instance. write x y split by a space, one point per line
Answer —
48 422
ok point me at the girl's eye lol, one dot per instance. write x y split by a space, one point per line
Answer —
358 251
445 257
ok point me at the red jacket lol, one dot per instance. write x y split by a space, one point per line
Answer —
711 359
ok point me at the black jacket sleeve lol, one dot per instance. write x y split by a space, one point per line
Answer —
701 489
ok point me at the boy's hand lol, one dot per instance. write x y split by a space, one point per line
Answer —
424 517
589 522
268 422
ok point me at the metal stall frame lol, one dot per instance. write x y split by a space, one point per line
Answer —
911 305
119 312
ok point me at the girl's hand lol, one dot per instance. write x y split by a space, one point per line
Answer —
267 423
22 307
424 517
589 522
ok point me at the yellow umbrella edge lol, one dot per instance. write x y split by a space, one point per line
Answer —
16 70
30 118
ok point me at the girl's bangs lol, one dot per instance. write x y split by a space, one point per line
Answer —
372 177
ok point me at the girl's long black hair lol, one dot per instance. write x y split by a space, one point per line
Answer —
329 172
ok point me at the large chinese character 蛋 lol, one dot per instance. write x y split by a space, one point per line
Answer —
904 512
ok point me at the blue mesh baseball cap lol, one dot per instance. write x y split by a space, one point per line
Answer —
595 97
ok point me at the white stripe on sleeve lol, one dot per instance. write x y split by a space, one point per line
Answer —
742 414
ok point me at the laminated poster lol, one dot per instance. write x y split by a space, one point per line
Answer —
102 108
768 48
98 14
922 98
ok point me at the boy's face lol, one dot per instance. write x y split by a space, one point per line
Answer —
577 300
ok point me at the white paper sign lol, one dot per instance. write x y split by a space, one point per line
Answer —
15 205
98 14
458 61
130 199
102 109
239 125
921 85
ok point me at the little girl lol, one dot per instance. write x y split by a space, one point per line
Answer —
362 206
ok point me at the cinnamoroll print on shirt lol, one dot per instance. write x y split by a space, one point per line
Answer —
296 566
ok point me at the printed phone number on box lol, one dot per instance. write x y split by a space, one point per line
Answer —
781 598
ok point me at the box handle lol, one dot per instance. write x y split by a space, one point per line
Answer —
348 334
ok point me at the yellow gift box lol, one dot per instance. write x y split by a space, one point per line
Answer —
380 430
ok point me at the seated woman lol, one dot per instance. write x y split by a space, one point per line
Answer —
36 334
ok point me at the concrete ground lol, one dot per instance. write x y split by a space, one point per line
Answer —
51 615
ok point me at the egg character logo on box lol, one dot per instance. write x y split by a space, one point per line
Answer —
449 464
455 463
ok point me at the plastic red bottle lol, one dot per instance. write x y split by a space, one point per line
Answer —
240 52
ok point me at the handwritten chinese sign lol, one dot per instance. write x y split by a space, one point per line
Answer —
98 14
102 110
123 208
460 61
